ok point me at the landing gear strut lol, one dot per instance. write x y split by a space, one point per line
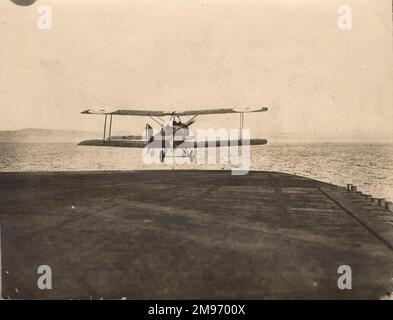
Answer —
162 156
191 155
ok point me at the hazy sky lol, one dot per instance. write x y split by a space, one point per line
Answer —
318 80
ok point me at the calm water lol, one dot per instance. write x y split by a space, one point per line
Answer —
368 166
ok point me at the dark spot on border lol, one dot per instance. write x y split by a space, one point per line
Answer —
23 2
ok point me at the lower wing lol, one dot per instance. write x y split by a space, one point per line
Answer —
177 144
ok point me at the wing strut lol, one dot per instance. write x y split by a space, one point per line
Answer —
241 125
104 128
110 128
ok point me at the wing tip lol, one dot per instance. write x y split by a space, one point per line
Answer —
97 111
250 109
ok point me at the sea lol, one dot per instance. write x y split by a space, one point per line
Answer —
368 166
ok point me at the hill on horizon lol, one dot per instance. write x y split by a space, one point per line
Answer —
46 135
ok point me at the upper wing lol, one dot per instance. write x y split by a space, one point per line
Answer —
220 111
125 112
129 112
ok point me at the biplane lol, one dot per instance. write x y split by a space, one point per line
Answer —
172 133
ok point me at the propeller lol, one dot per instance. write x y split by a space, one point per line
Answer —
189 122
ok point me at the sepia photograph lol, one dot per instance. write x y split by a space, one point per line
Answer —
200 150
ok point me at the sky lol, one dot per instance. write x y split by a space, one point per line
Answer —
319 82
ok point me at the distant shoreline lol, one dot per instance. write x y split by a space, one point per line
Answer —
31 135
270 143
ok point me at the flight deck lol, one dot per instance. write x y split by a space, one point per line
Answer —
190 234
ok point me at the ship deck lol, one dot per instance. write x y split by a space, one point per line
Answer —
190 235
